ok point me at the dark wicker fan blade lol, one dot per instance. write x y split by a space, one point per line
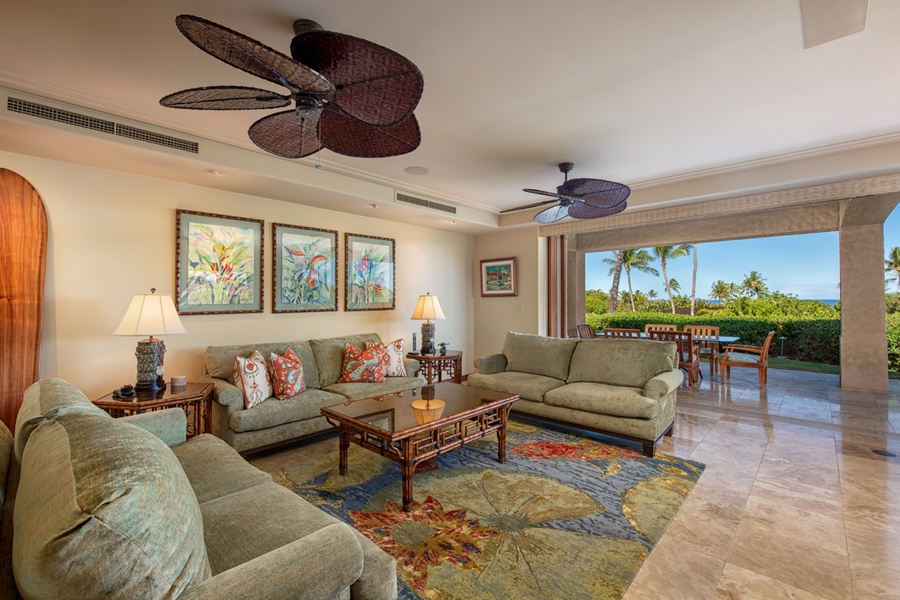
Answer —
291 134
225 97
535 205
541 192
580 210
374 84
552 214
351 137
251 56
597 192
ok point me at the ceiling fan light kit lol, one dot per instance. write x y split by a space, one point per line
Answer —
579 198
349 95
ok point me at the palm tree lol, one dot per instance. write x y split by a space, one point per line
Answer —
616 272
721 291
636 259
674 285
754 285
892 263
664 254
694 280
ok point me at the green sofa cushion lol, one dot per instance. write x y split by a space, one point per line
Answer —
43 397
528 353
216 469
272 412
621 362
524 385
104 509
329 353
603 399
390 385
218 361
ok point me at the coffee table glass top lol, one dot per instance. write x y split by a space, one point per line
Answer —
394 413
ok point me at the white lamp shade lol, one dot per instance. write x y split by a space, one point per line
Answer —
428 308
150 314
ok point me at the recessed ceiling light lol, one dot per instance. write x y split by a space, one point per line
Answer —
373 205
212 172
452 222
417 170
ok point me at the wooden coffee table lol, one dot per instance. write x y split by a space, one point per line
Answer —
390 426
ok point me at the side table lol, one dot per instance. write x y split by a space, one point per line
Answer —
193 398
435 365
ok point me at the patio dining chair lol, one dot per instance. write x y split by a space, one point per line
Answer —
708 344
687 353
615 332
756 357
660 327
585 331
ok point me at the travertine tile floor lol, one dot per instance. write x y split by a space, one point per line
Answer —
793 502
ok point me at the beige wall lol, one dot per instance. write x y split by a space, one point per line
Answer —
113 235
525 313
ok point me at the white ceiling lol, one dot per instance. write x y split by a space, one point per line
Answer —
636 92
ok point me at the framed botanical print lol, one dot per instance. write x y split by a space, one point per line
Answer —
218 265
304 274
498 277
370 272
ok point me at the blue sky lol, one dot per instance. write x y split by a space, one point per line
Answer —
806 266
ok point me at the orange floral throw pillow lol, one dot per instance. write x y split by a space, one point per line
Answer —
361 366
391 355
287 374
252 378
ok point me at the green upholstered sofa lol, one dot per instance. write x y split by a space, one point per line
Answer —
276 422
625 388
97 507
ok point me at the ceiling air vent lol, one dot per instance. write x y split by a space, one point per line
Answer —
426 203
51 113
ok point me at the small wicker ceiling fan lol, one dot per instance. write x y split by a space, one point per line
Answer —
350 95
579 198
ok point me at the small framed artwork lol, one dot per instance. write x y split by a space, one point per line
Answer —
304 277
218 264
498 277
370 272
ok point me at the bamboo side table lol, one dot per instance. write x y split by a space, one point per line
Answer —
435 365
193 398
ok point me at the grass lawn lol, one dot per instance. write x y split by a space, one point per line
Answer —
802 365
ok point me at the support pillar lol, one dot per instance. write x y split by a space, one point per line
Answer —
864 364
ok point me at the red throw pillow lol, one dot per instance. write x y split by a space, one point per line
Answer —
391 355
287 374
360 366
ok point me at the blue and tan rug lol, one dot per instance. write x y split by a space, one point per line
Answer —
565 517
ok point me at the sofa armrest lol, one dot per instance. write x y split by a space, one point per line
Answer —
225 393
169 424
492 363
412 367
320 565
663 384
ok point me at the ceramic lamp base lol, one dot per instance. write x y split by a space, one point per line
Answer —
427 338
149 354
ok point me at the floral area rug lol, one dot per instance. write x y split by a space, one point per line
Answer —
565 517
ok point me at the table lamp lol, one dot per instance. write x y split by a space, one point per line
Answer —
428 308
150 314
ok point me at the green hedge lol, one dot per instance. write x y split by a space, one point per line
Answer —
812 339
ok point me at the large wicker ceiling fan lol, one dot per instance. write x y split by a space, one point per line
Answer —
350 95
579 198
